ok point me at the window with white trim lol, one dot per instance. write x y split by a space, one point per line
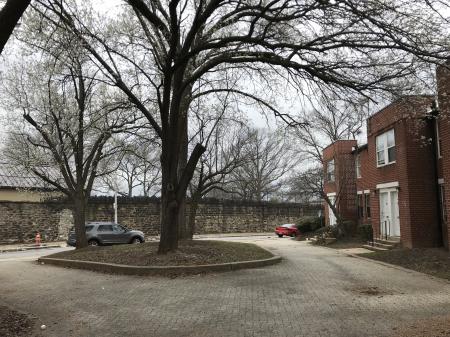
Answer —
358 166
367 204
330 170
386 148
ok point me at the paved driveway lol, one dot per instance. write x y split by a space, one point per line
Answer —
313 292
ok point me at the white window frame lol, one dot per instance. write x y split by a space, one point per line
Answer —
383 139
329 164
358 166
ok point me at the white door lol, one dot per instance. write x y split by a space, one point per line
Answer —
389 214
395 217
331 217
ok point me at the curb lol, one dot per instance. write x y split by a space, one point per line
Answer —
158 270
21 249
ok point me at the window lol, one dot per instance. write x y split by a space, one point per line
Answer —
358 166
89 228
105 228
359 201
442 203
367 204
386 148
330 170
118 228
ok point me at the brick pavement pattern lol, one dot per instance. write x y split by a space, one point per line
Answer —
314 292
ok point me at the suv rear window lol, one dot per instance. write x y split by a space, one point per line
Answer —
105 228
89 228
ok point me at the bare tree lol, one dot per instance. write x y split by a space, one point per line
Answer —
137 169
70 117
187 43
268 162
332 119
225 154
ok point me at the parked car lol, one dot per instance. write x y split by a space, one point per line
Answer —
287 229
107 233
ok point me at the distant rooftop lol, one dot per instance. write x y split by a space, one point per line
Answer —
12 176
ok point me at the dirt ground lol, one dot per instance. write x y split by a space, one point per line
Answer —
436 327
433 261
15 324
192 252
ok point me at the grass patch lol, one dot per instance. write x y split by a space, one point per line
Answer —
433 261
189 253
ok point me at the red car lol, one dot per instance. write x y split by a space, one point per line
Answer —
287 229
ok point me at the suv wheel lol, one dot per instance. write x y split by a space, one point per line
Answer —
93 243
136 240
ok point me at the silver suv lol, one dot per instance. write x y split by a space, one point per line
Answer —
107 233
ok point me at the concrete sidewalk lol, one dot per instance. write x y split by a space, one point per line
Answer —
29 246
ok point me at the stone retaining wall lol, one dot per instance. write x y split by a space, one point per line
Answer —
19 221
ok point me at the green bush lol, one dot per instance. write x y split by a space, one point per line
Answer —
348 228
365 232
310 224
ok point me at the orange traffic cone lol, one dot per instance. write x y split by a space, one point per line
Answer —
38 239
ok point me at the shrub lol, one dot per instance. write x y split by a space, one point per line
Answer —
348 228
365 232
310 224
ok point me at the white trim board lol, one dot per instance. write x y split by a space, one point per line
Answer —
331 194
387 185
359 192
366 191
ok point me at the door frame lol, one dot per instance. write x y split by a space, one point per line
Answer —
331 217
394 213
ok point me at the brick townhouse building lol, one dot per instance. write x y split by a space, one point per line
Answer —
399 181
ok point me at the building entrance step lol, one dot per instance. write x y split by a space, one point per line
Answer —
375 248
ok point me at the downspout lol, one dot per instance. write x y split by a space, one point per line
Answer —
432 117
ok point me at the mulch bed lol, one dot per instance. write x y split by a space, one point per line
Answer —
435 327
433 261
15 324
189 253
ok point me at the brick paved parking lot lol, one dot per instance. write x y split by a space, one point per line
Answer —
313 292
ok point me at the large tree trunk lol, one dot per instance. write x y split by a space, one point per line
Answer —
175 177
170 206
183 232
79 213
9 16
172 192
183 229
170 209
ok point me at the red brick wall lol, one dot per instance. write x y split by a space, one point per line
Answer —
345 179
413 170
364 183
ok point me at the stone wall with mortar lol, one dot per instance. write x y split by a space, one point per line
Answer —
20 221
